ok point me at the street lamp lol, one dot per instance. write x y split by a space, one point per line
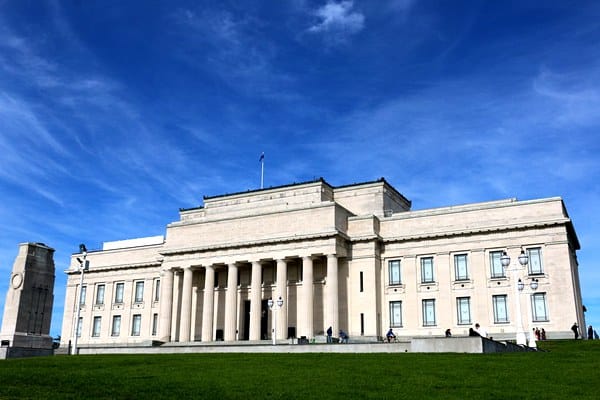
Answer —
533 285
83 266
523 260
270 303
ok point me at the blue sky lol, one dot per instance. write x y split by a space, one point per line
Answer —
113 115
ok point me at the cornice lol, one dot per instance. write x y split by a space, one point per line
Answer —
253 243
486 229
120 267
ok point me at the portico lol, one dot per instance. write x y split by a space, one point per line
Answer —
200 307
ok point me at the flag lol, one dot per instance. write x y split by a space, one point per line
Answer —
262 157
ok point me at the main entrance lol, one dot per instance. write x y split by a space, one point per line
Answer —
264 320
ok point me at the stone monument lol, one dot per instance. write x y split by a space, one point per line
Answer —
28 308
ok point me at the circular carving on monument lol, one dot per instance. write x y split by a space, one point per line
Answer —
16 281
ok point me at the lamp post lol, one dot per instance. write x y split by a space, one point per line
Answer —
523 261
82 268
271 303
533 285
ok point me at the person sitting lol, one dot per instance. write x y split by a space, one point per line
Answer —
448 333
343 337
473 332
390 335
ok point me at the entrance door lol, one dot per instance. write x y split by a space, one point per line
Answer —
246 326
264 320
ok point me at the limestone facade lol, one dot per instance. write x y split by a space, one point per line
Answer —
351 257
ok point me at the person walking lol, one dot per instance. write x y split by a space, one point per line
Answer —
575 330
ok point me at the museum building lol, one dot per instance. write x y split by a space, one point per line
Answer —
353 257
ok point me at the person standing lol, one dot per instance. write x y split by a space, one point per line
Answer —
575 330
590 333
329 333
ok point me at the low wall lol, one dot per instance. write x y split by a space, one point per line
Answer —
459 344
463 344
19 352
252 348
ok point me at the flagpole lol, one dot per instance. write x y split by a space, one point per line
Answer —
262 169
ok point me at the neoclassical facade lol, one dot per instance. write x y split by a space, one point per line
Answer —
351 257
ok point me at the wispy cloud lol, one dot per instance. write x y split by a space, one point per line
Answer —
337 21
577 97
232 47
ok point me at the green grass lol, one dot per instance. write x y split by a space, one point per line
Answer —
569 369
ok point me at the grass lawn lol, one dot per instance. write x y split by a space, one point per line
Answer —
569 369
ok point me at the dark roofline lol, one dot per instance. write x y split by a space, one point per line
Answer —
181 209
265 189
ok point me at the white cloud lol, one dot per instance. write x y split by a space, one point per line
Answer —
575 98
338 21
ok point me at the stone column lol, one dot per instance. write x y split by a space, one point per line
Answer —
281 292
186 305
231 302
176 309
209 300
332 296
307 284
255 301
166 305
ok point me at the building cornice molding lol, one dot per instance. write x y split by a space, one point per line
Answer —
207 219
254 243
473 231
119 267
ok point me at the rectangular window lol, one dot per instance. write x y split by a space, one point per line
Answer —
79 326
463 307
96 326
496 268
538 307
119 289
395 314
427 270
394 269
139 291
500 309
461 271
136 325
157 289
82 295
429 312
100 294
361 282
154 324
116 325
535 261
362 324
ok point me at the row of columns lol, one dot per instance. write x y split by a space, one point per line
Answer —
305 301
